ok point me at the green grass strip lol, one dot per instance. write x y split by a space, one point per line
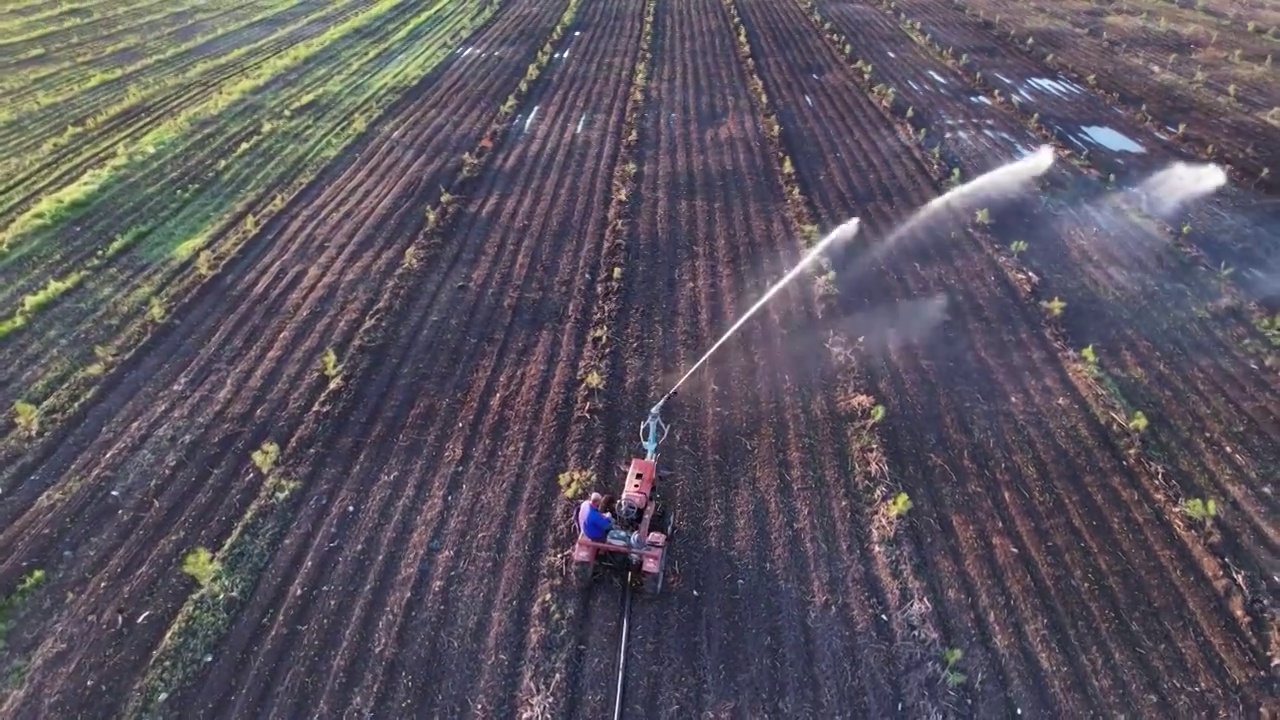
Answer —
61 206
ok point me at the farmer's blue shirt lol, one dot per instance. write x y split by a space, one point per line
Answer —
597 525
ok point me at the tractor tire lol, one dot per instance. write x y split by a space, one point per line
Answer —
654 583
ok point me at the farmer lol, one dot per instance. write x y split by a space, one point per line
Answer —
588 508
597 525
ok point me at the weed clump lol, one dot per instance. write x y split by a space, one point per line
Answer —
574 483
9 605
201 565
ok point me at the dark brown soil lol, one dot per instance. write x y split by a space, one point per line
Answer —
419 570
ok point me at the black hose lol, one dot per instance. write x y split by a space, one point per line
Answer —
622 648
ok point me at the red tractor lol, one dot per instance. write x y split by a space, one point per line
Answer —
642 523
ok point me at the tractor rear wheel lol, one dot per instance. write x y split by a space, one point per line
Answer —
653 582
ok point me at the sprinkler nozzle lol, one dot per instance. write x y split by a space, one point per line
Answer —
653 411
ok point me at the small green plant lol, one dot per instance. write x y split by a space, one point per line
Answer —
470 164
574 483
900 504
266 456
156 311
593 380
329 364
827 284
1017 247
280 488
617 274
27 417
1054 307
201 565
1201 510
1270 328
810 234
9 605
204 263
877 413
1089 356
1138 423
950 657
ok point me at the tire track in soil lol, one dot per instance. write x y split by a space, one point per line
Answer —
959 263
1191 336
733 556
214 500
491 386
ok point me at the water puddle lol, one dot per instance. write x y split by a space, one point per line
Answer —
532 115
1111 139
1001 135
580 121
808 100
815 75
1059 88
939 78
914 86
981 100
891 53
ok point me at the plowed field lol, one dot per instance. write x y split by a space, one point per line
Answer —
308 309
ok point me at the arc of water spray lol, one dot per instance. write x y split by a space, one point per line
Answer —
844 232
993 184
